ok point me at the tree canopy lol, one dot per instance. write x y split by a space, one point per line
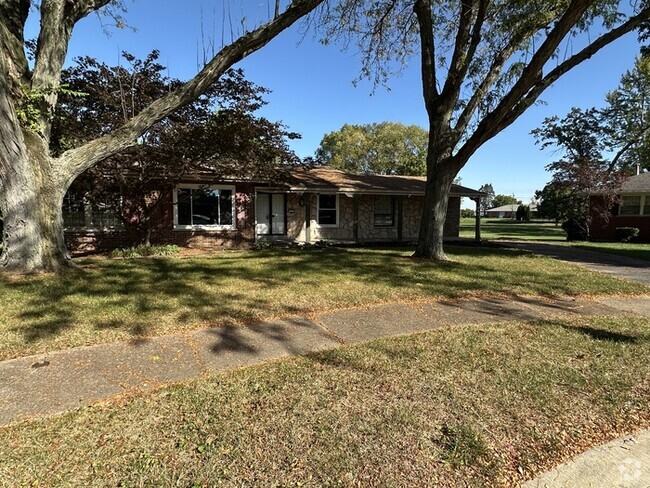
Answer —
487 200
501 200
580 172
381 148
597 146
218 132
627 116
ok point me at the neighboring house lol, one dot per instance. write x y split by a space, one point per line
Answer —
633 211
506 211
310 205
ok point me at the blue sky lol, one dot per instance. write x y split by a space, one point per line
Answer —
312 90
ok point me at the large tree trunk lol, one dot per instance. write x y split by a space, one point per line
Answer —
440 175
31 202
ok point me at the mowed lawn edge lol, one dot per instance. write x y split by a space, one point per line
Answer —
487 405
119 300
549 233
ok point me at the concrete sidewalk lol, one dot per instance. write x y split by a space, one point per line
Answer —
63 380
623 463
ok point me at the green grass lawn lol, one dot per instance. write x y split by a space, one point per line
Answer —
460 406
628 249
506 229
513 230
123 299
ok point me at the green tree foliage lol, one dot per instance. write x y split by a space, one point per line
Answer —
383 148
218 132
582 171
523 213
627 116
501 200
554 202
467 213
487 201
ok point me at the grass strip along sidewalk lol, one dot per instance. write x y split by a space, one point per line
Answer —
120 300
486 405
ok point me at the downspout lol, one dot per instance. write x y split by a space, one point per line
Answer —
255 216
477 229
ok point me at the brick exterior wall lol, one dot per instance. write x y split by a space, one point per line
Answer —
367 232
163 231
601 230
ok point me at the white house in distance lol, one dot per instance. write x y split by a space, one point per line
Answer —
507 211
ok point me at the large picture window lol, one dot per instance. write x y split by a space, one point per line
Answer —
204 207
384 211
328 210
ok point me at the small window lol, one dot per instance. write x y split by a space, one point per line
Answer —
204 207
631 205
384 211
81 213
74 214
328 210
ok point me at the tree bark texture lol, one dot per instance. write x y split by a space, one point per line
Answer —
30 203
440 175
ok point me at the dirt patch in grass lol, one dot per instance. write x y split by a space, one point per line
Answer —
117 300
463 406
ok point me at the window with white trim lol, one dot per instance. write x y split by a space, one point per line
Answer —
328 209
634 205
204 207
384 211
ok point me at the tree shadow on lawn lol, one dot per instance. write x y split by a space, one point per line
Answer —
141 297
603 334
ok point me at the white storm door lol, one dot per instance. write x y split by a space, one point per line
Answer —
263 214
277 213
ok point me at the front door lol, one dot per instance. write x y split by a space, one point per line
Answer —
270 213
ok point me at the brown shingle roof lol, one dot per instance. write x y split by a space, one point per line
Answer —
637 184
333 180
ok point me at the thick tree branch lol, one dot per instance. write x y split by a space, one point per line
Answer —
533 70
13 15
475 37
58 18
492 75
75 161
423 13
472 16
14 73
496 121
627 147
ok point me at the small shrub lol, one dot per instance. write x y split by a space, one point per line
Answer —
261 245
576 228
142 251
626 234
